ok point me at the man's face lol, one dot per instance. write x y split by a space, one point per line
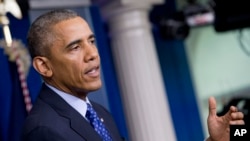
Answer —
74 60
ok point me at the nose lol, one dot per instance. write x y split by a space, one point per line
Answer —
91 53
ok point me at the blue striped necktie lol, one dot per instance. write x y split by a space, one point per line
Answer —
96 123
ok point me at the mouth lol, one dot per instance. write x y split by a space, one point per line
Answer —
93 71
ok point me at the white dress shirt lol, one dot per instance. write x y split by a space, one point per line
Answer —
78 104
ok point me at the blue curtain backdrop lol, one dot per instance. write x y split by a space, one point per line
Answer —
12 107
177 78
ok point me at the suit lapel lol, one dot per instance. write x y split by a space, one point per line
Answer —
77 122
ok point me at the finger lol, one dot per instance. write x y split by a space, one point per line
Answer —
237 122
233 109
237 115
228 115
212 106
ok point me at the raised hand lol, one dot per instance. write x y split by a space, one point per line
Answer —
219 127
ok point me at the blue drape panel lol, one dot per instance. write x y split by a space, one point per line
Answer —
12 107
177 78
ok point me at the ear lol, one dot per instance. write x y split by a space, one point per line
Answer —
42 66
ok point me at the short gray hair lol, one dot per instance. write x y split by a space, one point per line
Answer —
40 35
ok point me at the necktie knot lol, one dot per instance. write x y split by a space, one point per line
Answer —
96 123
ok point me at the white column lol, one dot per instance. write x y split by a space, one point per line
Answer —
143 93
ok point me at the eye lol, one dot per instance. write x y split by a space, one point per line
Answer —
92 41
75 47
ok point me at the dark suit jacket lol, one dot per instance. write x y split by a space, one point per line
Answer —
53 119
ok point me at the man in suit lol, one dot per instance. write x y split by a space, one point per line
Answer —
64 53
63 50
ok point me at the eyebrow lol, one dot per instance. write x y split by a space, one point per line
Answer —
79 40
91 36
74 42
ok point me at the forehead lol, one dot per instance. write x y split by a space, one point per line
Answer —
75 26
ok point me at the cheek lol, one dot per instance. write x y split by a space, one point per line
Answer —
70 65
68 68
77 68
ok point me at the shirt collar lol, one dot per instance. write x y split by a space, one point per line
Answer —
78 104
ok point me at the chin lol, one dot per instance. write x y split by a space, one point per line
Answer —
95 86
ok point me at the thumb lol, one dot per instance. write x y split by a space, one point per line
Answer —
212 106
